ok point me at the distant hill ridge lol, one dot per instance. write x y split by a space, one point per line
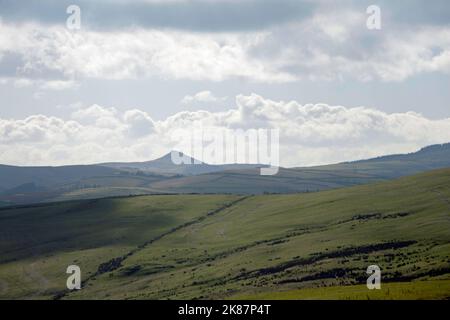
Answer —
21 185
445 147
165 165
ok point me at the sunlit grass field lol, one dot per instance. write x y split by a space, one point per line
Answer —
417 290
299 246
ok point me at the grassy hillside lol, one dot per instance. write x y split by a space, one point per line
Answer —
251 182
37 243
394 166
426 290
271 246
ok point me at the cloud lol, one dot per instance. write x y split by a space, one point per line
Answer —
202 96
131 54
336 46
192 15
326 45
41 85
95 113
57 85
22 83
139 123
309 134
213 15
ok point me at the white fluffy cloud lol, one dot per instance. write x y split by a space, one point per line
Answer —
310 134
134 53
327 45
202 96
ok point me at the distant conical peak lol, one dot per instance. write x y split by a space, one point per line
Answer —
178 154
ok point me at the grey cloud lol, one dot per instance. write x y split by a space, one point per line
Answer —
196 15
331 43
213 16
10 63
436 12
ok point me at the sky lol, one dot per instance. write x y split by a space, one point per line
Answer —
116 88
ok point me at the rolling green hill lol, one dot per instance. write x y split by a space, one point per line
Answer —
217 246
251 182
20 185
394 166
13 177
37 241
